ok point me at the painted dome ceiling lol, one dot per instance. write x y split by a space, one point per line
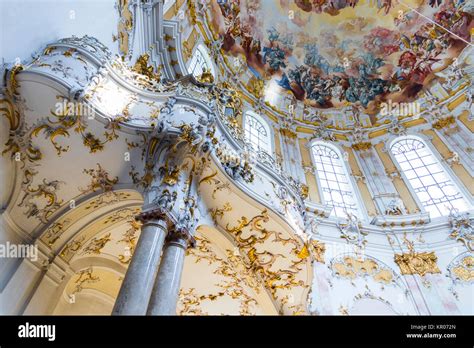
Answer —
337 53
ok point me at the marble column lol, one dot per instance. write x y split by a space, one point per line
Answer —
164 296
136 288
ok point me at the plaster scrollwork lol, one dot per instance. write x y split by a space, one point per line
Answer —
251 237
369 295
234 282
100 180
71 116
124 214
461 269
237 167
351 266
106 198
54 232
314 249
454 74
219 212
140 80
322 131
96 245
89 44
142 67
72 247
84 277
462 228
351 230
186 220
413 262
129 238
359 137
396 126
41 201
394 207
61 61
166 199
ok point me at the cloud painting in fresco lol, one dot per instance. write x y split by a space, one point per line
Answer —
333 53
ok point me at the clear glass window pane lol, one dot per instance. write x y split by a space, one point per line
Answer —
257 133
335 184
200 62
431 183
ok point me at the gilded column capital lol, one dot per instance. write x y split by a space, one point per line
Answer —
157 213
181 237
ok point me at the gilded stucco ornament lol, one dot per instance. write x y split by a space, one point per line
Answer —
233 283
394 207
166 199
100 180
461 270
72 247
129 238
234 165
313 248
352 231
141 67
206 77
353 266
96 245
44 193
322 131
251 237
124 28
256 87
142 81
84 278
413 262
54 232
444 122
170 174
41 201
359 137
219 212
186 220
72 117
362 146
146 179
462 228
396 127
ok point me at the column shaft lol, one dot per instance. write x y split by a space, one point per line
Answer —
165 292
136 287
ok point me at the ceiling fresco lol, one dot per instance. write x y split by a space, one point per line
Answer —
336 53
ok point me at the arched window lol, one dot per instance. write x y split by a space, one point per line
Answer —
200 62
334 180
428 179
257 132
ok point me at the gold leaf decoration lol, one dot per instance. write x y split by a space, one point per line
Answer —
352 267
